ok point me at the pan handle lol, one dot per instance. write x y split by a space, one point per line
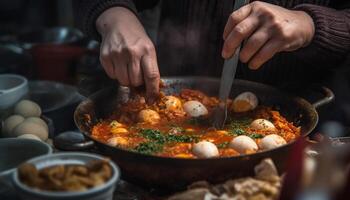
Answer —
328 97
72 141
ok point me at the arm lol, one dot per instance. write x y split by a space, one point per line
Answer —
269 29
331 41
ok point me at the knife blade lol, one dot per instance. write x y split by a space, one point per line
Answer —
227 77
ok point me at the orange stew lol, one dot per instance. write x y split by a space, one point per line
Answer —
173 125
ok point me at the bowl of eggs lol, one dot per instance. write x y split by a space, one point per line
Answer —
27 122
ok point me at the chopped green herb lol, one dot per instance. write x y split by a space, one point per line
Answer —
181 138
154 135
159 137
236 131
256 136
222 145
149 148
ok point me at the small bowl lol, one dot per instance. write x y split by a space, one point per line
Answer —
12 89
14 151
103 192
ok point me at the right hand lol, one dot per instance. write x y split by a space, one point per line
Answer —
127 54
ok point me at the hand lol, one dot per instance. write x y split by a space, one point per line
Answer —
267 29
127 54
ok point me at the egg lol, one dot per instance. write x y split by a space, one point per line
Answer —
243 144
172 103
119 130
29 136
148 116
27 127
38 121
10 123
116 124
244 102
195 108
271 141
118 141
205 149
262 124
27 108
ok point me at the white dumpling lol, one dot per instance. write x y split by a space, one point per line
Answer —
243 144
262 124
38 121
271 141
172 103
205 149
148 116
118 141
244 102
10 123
27 108
195 108
29 136
30 128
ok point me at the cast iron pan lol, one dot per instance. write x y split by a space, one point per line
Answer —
175 173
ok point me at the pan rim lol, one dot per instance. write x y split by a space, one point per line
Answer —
200 160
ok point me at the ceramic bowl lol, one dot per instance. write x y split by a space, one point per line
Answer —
103 192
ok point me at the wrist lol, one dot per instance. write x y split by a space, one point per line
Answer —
308 27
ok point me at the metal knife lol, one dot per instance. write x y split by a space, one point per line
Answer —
227 77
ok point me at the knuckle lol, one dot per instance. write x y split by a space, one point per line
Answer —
256 5
153 76
239 31
132 50
149 47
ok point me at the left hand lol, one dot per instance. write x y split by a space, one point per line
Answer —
267 29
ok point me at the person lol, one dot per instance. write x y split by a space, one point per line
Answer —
284 40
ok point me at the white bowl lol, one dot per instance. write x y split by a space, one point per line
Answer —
103 192
12 89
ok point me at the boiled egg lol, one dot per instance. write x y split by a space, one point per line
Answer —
195 108
172 103
244 102
205 149
243 144
271 141
38 121
10 123
27 127
27 108
148 116
262 124
29 136
119 130
118 141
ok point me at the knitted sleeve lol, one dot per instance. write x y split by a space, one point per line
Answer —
331 42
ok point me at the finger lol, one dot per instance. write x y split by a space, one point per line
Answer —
120 69
106 61
236 17
240 32
253 44
265 53
151 74
135 72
